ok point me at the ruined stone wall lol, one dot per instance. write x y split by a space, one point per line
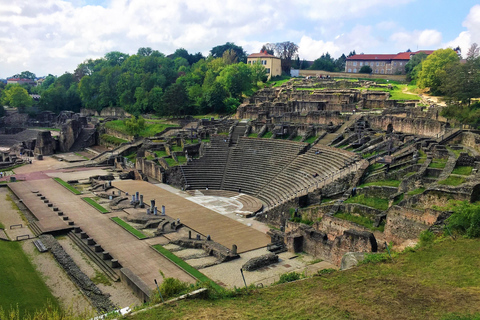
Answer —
377 191
70 132
15 119
471 140
88 112
114 112
318 244
418 126
150 168
405 223
120 135
45 144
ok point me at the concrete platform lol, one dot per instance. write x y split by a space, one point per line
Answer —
222 229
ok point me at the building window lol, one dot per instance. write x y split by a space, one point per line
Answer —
376 70
361 64
383 63
349 70
378 63
267 70
401 63
264 62
395 63
382 71
354 63
366 63
355 70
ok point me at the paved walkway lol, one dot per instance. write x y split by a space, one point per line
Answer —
130 252
222 229
10 216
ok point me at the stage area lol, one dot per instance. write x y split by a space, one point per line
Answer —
221 229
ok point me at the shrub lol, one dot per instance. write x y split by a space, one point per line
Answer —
289 277
466 219
365 69
375 258
325 271
426 238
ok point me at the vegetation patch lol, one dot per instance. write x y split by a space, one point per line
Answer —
94 204
150 128
161 153
382 183
463 170
370 154
253 135
129 228
416 191
67 186
186 267
113 140
171 162
267 135
452 181
374 202
436 287
311 139
20 285
360 220
438 164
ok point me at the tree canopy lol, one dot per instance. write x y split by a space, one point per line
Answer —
433 69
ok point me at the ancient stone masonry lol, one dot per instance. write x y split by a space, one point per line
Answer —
417 126
100 301
45 144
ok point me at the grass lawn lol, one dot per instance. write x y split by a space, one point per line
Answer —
438 163
363 221
383 183
297 138
185 266
171 162
416 191
161 154
128 227
176 148
152 127
20 284
94 204
429 283
111 139
377 203
463 170
452 181
268 135
181 159
66 185
253 135
311 139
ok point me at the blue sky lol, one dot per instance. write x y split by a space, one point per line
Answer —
54 36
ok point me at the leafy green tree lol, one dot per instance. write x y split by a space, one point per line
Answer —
325 63
134 125
414 65
268 48
461 81
215 98
54 99
2 111
49 80
433 69
236 78
217 52
17 97
365 69
340 63
27 75
175 101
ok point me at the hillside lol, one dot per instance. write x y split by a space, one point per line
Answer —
440 281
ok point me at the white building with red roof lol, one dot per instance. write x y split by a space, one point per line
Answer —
272 64
381 63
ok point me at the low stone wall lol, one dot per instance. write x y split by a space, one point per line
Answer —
100 301
471 140
419 126
120 135
260 262
140 289
361 210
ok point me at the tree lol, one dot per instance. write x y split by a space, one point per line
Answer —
352 53
268 48
175 100
230 57
217 52
414 65
144 52
17 97
286 51
236 78
325 63
340 63
27 75
365 69
134 125
433 68
214 98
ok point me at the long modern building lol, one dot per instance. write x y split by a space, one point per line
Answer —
381 63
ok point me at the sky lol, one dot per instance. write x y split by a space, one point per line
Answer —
54 36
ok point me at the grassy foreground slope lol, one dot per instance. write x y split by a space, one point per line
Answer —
441 281
20 284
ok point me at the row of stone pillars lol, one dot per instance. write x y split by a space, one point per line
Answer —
97 248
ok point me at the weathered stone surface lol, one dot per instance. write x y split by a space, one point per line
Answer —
45 143
260 262
351 259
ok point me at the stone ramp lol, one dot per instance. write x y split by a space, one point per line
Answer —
329 137
223 230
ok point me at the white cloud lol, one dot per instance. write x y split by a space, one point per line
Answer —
54 36
472 35
423 39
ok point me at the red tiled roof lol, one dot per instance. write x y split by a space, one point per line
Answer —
398 56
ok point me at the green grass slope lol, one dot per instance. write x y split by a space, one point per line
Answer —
20 284
440 281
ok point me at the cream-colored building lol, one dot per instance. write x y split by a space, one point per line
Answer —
272 64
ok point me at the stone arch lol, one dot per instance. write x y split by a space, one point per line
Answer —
389 128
